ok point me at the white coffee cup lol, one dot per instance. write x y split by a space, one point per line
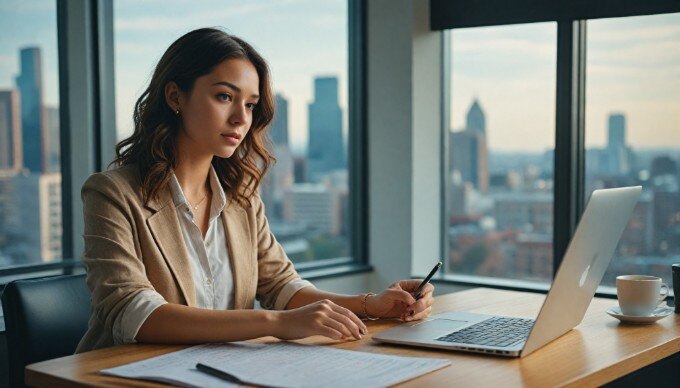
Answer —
639 295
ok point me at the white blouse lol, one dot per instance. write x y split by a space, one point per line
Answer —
210 265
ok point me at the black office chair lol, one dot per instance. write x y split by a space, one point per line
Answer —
44 319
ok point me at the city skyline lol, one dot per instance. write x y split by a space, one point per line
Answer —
652 42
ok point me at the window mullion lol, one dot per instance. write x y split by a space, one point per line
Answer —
569 136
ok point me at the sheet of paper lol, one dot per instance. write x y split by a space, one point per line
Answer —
281 364
178 368
286 364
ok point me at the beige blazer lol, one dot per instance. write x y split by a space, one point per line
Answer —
132 246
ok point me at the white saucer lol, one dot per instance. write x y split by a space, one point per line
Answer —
658 313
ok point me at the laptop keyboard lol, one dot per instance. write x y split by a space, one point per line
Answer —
496 331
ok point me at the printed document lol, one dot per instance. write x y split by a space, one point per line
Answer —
279 364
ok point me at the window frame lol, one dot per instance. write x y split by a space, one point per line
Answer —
87 118
569 162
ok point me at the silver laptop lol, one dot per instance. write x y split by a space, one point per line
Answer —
582 269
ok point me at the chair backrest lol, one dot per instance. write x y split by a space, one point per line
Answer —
44 319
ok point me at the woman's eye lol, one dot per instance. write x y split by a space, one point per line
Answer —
251 105
224 97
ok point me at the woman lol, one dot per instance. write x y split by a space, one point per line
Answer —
177 246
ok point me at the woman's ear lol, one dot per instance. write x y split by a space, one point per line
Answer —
172 93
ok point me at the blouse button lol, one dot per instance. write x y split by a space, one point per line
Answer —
209 281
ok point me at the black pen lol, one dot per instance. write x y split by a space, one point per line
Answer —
426 280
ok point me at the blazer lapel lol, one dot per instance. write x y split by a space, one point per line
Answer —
166 231
238 245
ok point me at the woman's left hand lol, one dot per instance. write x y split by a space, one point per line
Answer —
398 301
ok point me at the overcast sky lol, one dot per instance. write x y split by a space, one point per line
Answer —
633 64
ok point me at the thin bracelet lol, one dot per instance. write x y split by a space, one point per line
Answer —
363 307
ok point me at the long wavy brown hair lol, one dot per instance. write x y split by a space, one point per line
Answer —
152 146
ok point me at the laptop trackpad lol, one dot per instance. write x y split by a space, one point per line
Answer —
435 328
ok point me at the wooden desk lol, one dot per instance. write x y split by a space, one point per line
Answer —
597 351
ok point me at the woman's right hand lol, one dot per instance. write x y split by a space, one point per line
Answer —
319 318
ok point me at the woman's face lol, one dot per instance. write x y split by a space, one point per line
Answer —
218 112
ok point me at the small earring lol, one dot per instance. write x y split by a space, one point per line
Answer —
177 112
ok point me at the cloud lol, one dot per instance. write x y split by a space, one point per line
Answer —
505 46
610 35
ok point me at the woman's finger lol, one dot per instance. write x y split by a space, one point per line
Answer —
330 332
353 317
429 288
421 315
409 285
401 296
420 305
347 322
333 323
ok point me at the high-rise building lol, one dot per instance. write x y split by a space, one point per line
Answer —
278 179
20 237
300 169
663 165
316 206
526 212
53 151
475 119
279 128
618 155
280 176
30 85
667 223
10 131
617 130
326 151
50 216
469 152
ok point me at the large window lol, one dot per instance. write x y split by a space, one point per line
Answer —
501 135
577 98
633 134
30 172
306 194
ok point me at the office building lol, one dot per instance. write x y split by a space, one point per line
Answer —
638 236
53 151
50 216
35 136
20 228
619 156
279 178
475 119
316 206
326 151
469 151
534 256
300 164
10 131
279 127
528 212
663 165
667 223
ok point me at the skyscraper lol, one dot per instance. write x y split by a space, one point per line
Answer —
10 131
617 130
326 151
475 120
35 136
49 194
279 129
281 175
52 121
618 155
469 152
